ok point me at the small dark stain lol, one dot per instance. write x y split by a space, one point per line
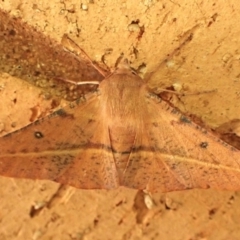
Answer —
213 19
120 221
38 135
12 32
37 73
24 150
231 199
142 30
90 120
135 21
203 144
34 211
95 222
212 212
119 203
167 207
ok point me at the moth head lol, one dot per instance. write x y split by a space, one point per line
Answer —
123 66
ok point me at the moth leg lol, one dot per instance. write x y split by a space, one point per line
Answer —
162 90
73 48
78 83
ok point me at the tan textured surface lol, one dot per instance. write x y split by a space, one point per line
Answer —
209 61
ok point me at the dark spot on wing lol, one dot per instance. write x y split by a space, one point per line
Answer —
184 119
38 135
63 113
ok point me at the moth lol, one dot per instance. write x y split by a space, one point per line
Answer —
122 134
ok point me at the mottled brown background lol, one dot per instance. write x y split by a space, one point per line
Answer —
146 32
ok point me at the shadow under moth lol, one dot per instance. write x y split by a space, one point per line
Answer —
120 134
